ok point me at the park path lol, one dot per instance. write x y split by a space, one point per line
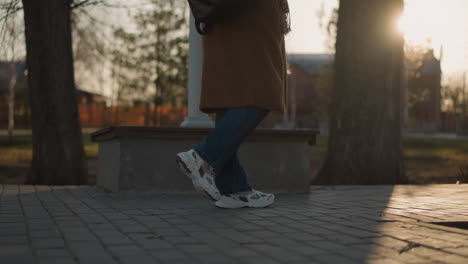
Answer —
341 224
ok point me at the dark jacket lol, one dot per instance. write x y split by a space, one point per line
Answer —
210 12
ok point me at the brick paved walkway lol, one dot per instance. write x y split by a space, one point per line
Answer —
344 224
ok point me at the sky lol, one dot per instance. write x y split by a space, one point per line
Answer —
445 22
306 35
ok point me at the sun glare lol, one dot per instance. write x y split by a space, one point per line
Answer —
420 22
436 20
437 24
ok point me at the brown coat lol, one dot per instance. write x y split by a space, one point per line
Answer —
245 61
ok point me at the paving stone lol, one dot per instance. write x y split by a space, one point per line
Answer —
390 242
126 250
56 260
215 240
426 252
80 236
383 260
45 233
96 257
462 250
450 258
264 234
133 229
154 244
170 255
211 258
14 249
340 224
102 227
12 240
248 227
239 252
18 259
40 243
258 260
434 243
181 239
138 259
53 253
302 236
192 228
12 218
113 238
91 252
16 254
277 252
308 250
200 248
410 258
168 231
81 247
244 238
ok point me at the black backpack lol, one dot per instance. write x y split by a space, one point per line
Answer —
210 12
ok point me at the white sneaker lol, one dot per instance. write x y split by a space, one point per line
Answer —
255 199
201 173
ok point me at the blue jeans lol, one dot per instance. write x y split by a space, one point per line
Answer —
220 148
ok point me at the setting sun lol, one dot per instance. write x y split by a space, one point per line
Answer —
421 21
438 24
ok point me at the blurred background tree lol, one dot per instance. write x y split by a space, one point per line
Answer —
415 57
150 64
11 37
65 39
455 96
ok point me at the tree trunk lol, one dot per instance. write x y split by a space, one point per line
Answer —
366 105
58 156
11 101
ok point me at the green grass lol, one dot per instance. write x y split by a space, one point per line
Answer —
435 148
426 160
436 160
320 147
416 147
20 131
19 153
16 131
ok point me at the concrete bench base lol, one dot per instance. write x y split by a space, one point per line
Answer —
138 158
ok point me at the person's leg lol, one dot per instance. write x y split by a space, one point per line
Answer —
219 148
232 178
235 190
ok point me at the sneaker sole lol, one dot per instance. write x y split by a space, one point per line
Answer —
196 180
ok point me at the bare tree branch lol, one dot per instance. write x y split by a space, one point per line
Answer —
84 3
10 9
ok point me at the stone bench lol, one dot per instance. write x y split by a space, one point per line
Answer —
138 158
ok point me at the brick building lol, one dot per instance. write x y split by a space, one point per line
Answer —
5 77
304 99
85 99
425 114
21 111
306 104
